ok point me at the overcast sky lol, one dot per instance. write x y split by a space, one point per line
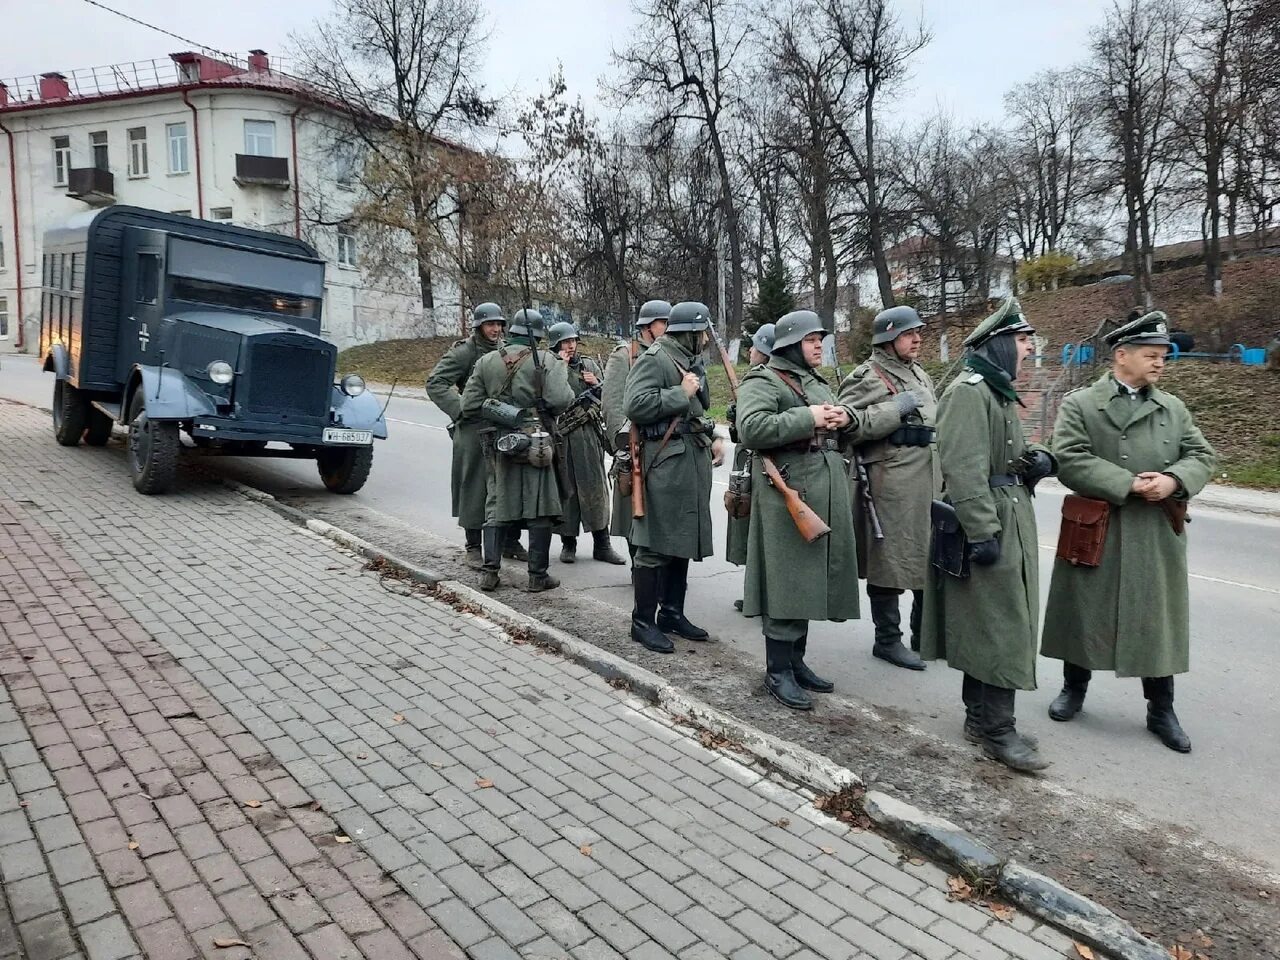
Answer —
980 47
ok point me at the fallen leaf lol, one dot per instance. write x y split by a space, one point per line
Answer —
1180 952
362 756
1002 911
228 942
916 862
585 849
782 823
341 838
484 783
958 888
1263 894
398 718
253 803
827 850
1084 952
1200 939
133 844
24 803
436 763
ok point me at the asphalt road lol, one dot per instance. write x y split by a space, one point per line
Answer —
1220 793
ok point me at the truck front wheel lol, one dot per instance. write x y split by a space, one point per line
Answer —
70 414
153 449
98 431
345 471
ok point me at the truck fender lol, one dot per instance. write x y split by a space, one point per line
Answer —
168 395
359 413
58 362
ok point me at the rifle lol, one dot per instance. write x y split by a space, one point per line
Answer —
637 474
540 405
811 526
729 369
859 468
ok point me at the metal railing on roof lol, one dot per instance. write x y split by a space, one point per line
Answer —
138 75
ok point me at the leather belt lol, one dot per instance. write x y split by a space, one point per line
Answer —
1005 480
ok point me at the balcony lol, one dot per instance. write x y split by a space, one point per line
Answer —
262 171
95 187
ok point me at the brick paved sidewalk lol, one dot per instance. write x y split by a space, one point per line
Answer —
193 688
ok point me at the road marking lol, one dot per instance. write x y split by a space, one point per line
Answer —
1201 576
415 423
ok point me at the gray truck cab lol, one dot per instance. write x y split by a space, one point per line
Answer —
178 328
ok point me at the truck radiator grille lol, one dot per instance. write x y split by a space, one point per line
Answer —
288 380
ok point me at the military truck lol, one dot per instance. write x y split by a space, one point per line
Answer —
180 328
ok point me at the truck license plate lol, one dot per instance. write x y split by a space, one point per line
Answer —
354 437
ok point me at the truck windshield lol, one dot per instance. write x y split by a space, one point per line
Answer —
243 298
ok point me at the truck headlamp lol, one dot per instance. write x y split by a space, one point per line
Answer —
221 372
352 384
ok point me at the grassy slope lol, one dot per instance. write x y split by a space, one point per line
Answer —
1235 406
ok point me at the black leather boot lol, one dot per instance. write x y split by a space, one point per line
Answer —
475 552
1161 720
917 618
491 541
804 676
647 583
888 622
602 548
737 605
568 549
1075 684
512 548
971 693
1000 739
780 678
671 618
540 560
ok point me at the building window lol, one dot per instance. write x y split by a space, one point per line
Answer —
260 138
176 134
61 160
137 151
346 246
98 148
348 163
220 213
189 72
4 317
1 252
148 285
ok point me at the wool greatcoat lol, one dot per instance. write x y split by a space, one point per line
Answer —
616 369
467 484
787 578
677 491
587 506
1130 614
737 528
904 480
987 623
518 493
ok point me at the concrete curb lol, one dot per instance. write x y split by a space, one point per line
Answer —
1090 922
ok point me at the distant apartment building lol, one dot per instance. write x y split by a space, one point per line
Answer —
210 137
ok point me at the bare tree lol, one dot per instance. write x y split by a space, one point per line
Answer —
1134 73
683 59
402 70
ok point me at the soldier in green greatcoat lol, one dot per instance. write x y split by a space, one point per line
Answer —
735 541
581 429
789 416
650 325
895 440
518 390
444 388
983 619
1136 449
667 398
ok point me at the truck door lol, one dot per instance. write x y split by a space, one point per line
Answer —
141 298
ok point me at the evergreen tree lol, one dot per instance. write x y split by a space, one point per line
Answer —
774 298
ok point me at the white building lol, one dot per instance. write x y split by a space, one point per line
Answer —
193 134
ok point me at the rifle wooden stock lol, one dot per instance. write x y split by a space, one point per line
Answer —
729 369
811 526
637 474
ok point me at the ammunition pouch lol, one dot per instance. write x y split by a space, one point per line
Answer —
737 499
576 417
503 414
1083 532
621 472
913 435
684 425
949 549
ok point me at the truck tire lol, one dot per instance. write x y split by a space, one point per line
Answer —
70 414
98 431
345 471
153 449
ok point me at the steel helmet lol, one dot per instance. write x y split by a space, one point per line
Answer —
528 323
888 324
689 317
762 339
653 310
795 326
486 312
564 330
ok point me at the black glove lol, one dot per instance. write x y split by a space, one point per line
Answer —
1039 466
985 552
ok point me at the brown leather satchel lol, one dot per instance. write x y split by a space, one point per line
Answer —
1176 512
1084 530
